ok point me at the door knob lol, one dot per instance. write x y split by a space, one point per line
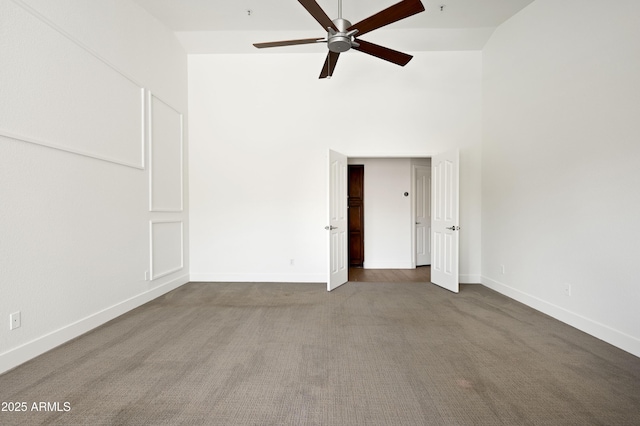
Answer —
453 228
330 228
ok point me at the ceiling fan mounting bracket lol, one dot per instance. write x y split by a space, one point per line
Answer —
341 40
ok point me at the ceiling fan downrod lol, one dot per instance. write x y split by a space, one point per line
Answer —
341 40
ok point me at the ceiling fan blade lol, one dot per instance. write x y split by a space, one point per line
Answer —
329 64
382 52
287 42
319 15
392 14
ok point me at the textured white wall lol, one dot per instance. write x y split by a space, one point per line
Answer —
75 230
561 164
260 129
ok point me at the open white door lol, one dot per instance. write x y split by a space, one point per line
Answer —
444 261
337 228
423 215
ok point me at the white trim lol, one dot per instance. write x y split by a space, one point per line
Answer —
63 148
48 144
470 278
292 278
601 331
153 274
414 249
392 154
151 96
258 278
145 130
42 344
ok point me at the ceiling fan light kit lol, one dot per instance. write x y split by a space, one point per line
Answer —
341 34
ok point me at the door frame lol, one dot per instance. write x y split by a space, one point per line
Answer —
378 155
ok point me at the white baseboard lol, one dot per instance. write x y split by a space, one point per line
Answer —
259 278
470 278
388 265
601 331
298 278
32 349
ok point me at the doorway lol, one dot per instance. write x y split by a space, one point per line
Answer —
444 198
387 250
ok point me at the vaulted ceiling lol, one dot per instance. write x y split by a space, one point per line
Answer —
231 26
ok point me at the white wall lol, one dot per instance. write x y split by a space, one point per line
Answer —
387 212
75 225
561 164
260 130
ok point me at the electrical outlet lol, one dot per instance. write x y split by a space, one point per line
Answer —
146 275
566 289
291 262
503 270
15 320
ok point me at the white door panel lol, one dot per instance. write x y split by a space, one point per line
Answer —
445 187
337 228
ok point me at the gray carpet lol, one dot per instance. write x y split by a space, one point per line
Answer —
365 354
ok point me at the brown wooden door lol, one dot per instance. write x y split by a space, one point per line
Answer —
356 214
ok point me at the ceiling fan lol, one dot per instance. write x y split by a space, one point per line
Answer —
341 34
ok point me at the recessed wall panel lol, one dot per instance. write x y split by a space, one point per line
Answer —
56 92
166 126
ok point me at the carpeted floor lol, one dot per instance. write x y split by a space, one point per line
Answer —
365 354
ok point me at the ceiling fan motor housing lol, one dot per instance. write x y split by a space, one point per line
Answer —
340 41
